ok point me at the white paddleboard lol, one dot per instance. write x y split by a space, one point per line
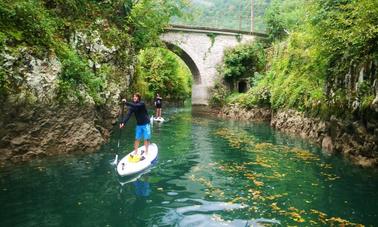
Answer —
159 119
125 167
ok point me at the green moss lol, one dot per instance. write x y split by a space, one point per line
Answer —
212 37
367 101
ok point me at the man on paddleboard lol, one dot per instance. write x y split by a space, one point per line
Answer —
143 128
158 104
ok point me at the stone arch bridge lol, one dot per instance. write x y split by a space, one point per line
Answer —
202 50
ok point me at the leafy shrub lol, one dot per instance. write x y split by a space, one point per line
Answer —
161 71
243 61
76 76
218 94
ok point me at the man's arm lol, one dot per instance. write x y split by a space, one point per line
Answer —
124 121
135 105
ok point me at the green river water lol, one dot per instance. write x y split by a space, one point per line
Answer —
211 172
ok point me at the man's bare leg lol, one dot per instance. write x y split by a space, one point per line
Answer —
159 112
146 143
136 145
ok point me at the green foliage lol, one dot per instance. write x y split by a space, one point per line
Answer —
46 27
274 22
243 61
307 66
219 94
231 14
3 84
3 38
298 74
257 96
161 71
149 18
77 77
27 21
347 31
367 101
284 16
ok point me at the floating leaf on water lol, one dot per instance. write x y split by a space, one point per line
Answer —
250 176
264 146
273 197
261 164
304 154
275 207
296 217
330 177
256 194
236 139
319 213
313 222
258 183
326 166
341 222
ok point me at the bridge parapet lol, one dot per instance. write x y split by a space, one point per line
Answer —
206 30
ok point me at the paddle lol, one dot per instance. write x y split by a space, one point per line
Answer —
119 133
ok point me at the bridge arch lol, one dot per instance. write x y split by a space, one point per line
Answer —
187 60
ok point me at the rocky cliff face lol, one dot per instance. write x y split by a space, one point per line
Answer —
236 112
38 131
33 120
352 139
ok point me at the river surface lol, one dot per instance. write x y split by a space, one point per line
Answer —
211 172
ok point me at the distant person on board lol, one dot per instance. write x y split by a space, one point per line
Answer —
158 104
143 128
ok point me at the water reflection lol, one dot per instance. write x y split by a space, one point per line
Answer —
142 187
207 213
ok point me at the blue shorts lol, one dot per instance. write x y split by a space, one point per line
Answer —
143 130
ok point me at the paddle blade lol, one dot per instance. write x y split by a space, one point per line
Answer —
115 160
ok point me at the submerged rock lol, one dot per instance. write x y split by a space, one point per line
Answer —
327 144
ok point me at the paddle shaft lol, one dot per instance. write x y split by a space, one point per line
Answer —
119 129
